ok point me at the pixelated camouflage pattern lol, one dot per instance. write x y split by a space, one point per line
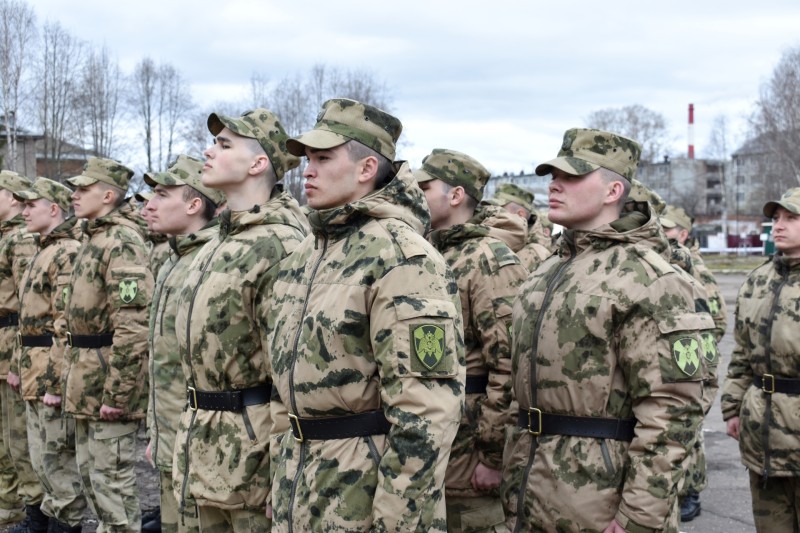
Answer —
41 296
346 304
766 323
488 275
221 349
585 150
50 190
595 334
455 169
113 258
106 170
16 250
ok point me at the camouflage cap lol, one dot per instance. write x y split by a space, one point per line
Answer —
508 192
11 181
262 125
144 196
789 201
50 190
456 169
675 216
641 193
343 120
185 170
585 150
105 170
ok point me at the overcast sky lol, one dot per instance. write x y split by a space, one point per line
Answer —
500 80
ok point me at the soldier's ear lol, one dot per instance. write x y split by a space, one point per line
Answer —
369 168
195 206
457 195
54 210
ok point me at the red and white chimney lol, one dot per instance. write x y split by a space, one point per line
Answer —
691 131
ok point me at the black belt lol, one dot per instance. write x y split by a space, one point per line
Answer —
9 320
477 384
90 341
228 400
340 427
770 384
39 341
539 423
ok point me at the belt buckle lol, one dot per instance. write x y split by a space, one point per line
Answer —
297 432
538 413
69 339
192 398
768 383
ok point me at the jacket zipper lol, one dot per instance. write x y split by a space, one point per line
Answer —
154 449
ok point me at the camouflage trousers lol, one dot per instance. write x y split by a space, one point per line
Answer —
11 507
172 519
15 434
106 454
52 446
475 515
776 504
216 520
695 478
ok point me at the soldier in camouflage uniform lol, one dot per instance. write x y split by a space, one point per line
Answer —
519 201
606 358
104 381
761 393
224 360
157 242
42 338
183 208
16 249
367 348
477 243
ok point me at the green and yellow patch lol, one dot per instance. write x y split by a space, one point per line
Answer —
428 346
685 352
128 289
710 350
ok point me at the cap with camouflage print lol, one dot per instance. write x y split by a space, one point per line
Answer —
641 193
789 201
11 181
585 150
48 189
106 170
343 120
262 125
456 169
185 170
144 196
508 192
675 216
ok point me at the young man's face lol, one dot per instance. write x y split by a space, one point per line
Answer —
786 232
37 215
88 201
8 205
577 202
677 234
228 160
332 179
168 210
437 194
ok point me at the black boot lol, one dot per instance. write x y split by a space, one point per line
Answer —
61 527
690 506
35 521
151 521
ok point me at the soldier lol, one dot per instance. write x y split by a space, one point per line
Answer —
104 381
606 358
16 249
224 360
42 338
183 208
477 243
761 393
158 243
519 201
367 349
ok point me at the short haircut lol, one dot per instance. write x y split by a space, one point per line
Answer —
470 202
256 149
357 151
609 176
209 207
119 194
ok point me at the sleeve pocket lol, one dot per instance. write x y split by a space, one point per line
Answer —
426 338
686 361
127 287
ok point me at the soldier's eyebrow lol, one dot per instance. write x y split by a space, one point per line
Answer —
222 139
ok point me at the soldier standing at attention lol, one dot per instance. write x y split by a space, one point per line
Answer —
477 244
761 393
43 338
367 348
222 451
105 376
606 358
519 201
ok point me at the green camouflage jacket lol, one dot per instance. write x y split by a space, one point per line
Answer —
42 299
488 275
167 381
767 342
159 253
16 249
366 317
606 328
110 290
221 349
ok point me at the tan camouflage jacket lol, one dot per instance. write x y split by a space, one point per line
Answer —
16 249
221 349
366 317
167 381
42 298
767 342
606 328
488 275
110 290
159 253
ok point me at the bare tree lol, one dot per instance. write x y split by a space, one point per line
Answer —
144 86
17 41
719 148
636 122
175 102
98 101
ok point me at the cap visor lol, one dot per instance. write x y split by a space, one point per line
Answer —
81 181
26 195
570 165
667 223
317 139
161 178
421 176
215 124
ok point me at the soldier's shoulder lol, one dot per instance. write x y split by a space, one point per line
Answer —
657 265
408 242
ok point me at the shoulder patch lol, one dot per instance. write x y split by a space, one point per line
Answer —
685 352
128 288
710 351
503 254
428 346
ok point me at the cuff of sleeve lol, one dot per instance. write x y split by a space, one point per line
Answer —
632 527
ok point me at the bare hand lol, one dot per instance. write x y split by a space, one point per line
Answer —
733 427
148 454
614 527
110 413
13 381
51 400
269 511
485 478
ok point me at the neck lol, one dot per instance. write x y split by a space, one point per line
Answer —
11 214
53 225
255 190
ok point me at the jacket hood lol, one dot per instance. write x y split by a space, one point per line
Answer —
183 244
783 264
15 222
124 215
69 229
281 208
488 220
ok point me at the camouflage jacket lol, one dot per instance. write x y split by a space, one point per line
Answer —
536 247
159 253
606 328
109 292
167 381
488 275
42 299
221 349
767 342
16 249
366 317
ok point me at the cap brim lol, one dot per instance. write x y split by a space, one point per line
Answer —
421 176
23 196
161 178
770 207
317 139
140 197
667 223
570 165
215 124
81 181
